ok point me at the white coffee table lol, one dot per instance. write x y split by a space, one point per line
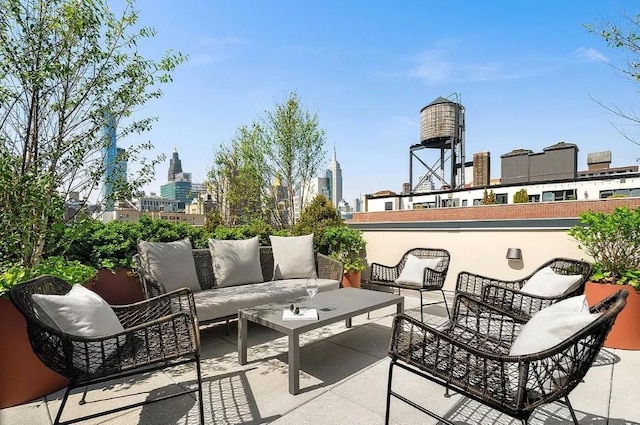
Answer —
333 306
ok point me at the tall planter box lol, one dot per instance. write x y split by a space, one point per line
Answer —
625 333
121 287
351 279
23 377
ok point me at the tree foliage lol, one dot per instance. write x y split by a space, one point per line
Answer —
613 241
626 36
66 68
269 165
521 197
239 177
315 218
488 197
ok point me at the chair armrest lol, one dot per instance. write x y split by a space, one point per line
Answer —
433 279
519 305
150 286
79 358
328 268
471 283
180 300
381 273
471 315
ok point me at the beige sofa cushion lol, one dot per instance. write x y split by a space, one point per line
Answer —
170 263
293 257
236 262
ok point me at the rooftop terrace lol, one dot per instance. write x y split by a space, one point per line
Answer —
343 380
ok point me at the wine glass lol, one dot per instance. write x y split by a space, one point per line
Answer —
312 288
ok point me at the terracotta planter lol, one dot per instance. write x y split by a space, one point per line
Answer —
625 332
118 288
351 279
24 377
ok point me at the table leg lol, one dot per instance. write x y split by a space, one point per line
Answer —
400 306
347 322
294 364
242 340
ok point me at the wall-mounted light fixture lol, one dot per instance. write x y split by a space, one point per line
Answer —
514 254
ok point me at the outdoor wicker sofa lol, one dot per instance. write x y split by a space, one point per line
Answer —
432 279
158 333
507 294
471 355
215 303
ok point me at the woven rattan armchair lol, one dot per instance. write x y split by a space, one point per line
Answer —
433 278
158 333
506 294
470 355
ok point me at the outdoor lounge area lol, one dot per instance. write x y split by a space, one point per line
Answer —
343 379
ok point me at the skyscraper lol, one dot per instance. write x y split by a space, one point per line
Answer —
175 166
179 185
334 175
115 166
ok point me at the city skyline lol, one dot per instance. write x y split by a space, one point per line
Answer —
527 74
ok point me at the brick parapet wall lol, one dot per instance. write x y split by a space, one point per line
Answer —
537 210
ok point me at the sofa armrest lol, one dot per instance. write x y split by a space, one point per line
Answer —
328 268
151 287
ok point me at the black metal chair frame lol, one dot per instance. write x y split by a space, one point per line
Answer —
433 279
507 294
158 333
470 356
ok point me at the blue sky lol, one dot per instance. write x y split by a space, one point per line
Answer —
526 72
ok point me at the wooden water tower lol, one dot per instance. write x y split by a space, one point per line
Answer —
441 128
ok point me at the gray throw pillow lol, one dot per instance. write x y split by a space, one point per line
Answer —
170 263
236 262
82 312
293 257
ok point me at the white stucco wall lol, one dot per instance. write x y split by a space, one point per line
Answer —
479 251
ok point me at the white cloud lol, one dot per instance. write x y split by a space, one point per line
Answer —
591 54
447 63
201 59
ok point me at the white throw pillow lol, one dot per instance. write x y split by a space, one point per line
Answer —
413 271
236 262
81 312
293 257
547 283
170 263
552 325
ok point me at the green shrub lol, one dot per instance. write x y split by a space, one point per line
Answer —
68 270
315 218
613 241
521 197
345 245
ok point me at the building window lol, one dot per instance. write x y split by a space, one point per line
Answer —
477 202
534 198
502 198
559 195
388 206
464 202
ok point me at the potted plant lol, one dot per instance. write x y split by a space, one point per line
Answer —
347 246
613 241
24 377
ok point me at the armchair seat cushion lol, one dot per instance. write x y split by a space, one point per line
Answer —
413 271
547 283
79 312
552 325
